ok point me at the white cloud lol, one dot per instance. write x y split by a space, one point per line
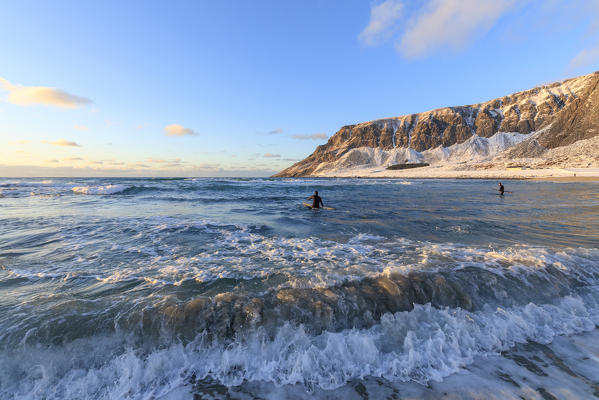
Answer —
178 130
450 23
269 155
434 24
81 127
382 22
62 142
30 95
52 169
314 136
585 58
276 131
175 161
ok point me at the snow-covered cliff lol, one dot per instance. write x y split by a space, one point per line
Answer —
527 123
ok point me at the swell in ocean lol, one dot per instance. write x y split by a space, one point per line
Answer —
416 288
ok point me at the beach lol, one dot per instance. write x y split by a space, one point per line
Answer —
453 172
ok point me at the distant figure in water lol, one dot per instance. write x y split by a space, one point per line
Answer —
501 189
316 200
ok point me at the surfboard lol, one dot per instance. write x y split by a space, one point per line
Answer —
320 208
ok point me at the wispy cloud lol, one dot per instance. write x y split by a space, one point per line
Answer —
138 165
81 127
62 142
314 136
276 131
48 96
269 155
51 161
589 55
382 22
434 24
20 142
176 161
585 58
52 168
450 23
74 159
178 130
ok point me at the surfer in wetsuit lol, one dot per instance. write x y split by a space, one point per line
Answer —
501 189
316 200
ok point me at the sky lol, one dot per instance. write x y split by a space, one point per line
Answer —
247 88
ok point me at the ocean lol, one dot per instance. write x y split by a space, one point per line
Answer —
231 288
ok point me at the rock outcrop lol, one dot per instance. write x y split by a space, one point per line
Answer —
562 113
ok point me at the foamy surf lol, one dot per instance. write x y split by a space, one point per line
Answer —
226 288
425 344
102 189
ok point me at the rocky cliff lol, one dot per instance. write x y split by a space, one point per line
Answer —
558 114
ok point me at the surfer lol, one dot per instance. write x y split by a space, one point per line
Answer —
501 189
316 200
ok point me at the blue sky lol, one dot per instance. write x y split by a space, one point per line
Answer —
241 88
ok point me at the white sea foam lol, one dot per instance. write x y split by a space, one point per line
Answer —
425 344
237 252
102 189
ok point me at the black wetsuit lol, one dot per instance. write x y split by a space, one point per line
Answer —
316 201
501 189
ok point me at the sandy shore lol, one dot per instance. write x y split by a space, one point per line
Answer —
570 179
432 172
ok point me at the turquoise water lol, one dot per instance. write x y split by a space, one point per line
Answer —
174 288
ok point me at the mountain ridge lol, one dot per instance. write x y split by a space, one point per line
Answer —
553 115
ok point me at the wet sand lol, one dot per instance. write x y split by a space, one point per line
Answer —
569 179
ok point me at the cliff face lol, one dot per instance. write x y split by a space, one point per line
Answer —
578 120
568 110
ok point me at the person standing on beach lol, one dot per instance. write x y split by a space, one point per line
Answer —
316 200
501 189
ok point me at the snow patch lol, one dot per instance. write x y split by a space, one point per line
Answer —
474 149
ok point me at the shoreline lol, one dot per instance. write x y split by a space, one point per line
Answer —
568 179
547 174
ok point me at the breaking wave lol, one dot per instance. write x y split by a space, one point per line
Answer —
165 289
103 189
420 345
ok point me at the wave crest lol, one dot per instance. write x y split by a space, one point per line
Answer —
102 189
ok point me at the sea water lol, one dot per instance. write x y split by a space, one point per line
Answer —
231 288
